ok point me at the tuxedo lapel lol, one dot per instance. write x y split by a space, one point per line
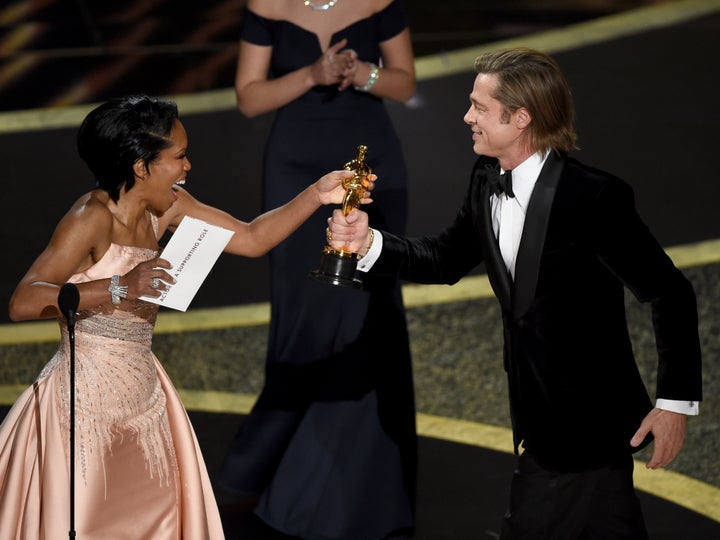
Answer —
494 265
532 241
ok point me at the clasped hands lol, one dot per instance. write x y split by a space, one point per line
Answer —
337 66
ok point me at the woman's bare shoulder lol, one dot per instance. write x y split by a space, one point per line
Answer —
270 9
82 233
88 217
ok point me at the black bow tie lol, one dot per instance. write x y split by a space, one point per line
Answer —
499 183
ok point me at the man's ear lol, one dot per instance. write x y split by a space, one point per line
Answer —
522 118
140 169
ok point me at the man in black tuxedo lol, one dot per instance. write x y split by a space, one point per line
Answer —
560 242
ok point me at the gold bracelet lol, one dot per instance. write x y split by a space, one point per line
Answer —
372 238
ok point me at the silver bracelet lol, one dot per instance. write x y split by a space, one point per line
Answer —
372 79
117 291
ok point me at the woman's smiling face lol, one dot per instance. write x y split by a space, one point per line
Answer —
169 170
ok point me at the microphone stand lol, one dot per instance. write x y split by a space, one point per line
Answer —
68 301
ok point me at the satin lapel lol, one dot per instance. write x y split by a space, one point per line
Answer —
494 264
532 242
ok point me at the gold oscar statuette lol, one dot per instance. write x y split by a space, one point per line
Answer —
337 266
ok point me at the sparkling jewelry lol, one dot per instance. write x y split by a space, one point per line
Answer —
320 7
370 242
155 283
372 79
328 235
117 291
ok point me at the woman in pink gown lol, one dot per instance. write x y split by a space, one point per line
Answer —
138 468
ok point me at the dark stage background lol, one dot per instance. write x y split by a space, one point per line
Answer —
644 112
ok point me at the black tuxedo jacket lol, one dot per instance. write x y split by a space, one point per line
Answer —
576 396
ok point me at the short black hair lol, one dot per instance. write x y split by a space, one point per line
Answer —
118 133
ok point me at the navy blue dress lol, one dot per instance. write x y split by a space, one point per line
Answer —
330 446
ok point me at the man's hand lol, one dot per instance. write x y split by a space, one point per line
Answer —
349 232
668 428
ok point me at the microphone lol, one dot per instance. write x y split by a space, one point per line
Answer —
68 301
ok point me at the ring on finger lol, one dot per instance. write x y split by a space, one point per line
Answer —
155 283
328 235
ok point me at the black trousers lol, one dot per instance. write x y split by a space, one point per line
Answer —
590 505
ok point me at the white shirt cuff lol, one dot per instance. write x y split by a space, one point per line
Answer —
691 408
366 263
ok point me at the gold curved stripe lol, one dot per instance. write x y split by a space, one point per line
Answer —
581 34
679 489
438 65
468 288
671 486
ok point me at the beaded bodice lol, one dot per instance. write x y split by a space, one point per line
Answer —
117 388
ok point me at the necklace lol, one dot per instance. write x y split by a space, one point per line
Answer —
320 7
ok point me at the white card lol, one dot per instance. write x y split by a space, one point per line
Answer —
192 250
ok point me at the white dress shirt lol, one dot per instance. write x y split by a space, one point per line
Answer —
508 213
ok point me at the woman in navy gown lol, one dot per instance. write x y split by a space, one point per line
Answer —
329 449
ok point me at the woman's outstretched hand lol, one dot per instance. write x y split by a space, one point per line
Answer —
330 188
